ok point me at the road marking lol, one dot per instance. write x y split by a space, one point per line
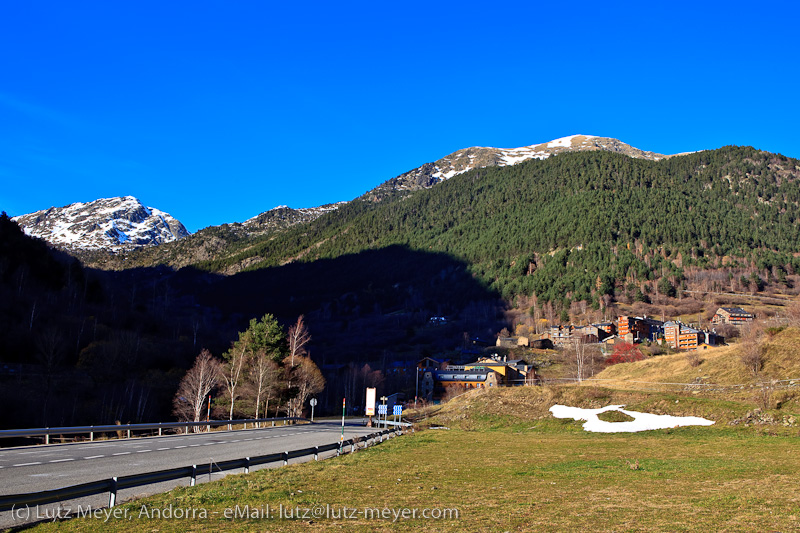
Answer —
121 453
28 464
194 445
162 449
60 460
142 451
179 447
94 456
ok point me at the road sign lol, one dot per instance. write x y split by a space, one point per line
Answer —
313 402
370 401
397 410
382 409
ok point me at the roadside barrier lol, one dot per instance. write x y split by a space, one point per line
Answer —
115 484
130 428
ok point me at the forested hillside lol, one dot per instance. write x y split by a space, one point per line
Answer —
576 226
87 346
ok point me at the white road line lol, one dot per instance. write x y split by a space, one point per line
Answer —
60 460
121 453
179 447
94 456
142 451
161 449
194 445
28 464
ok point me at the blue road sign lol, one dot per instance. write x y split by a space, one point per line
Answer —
397 410
382 409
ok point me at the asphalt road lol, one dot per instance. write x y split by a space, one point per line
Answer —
37 468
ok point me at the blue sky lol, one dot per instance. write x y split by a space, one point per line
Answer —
217 111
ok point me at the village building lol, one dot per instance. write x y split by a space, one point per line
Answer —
732 315
608 327
486 372
682 337
510 372
559 335
637 329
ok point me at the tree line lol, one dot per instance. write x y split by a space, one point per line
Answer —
263 366
554 227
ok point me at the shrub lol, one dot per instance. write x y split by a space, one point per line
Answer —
774 330
625 352
693 358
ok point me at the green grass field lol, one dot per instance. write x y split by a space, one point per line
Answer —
516 472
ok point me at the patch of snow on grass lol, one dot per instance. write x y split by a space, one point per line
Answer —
512 156
641 422
566 142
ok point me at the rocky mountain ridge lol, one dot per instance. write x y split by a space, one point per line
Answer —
467 159
110 224
125 225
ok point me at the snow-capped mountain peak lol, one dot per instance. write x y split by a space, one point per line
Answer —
468 159
114 224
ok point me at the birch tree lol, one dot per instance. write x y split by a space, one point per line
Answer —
307 380
233 367
195 387
297 338
265 380
579 349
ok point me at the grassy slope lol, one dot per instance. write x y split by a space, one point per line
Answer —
718 365
544 475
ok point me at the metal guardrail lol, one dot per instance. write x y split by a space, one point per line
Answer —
115 484
160 426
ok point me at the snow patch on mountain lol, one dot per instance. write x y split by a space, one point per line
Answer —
475 157
112 224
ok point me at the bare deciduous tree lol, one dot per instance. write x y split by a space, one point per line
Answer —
308 381
578 348
752 349
265 377
195 387
236 360
298 338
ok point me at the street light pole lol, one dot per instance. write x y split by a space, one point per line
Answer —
385 413
341 441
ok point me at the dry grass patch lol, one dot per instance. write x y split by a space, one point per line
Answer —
554 480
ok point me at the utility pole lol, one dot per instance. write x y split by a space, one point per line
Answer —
341 441
385 414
